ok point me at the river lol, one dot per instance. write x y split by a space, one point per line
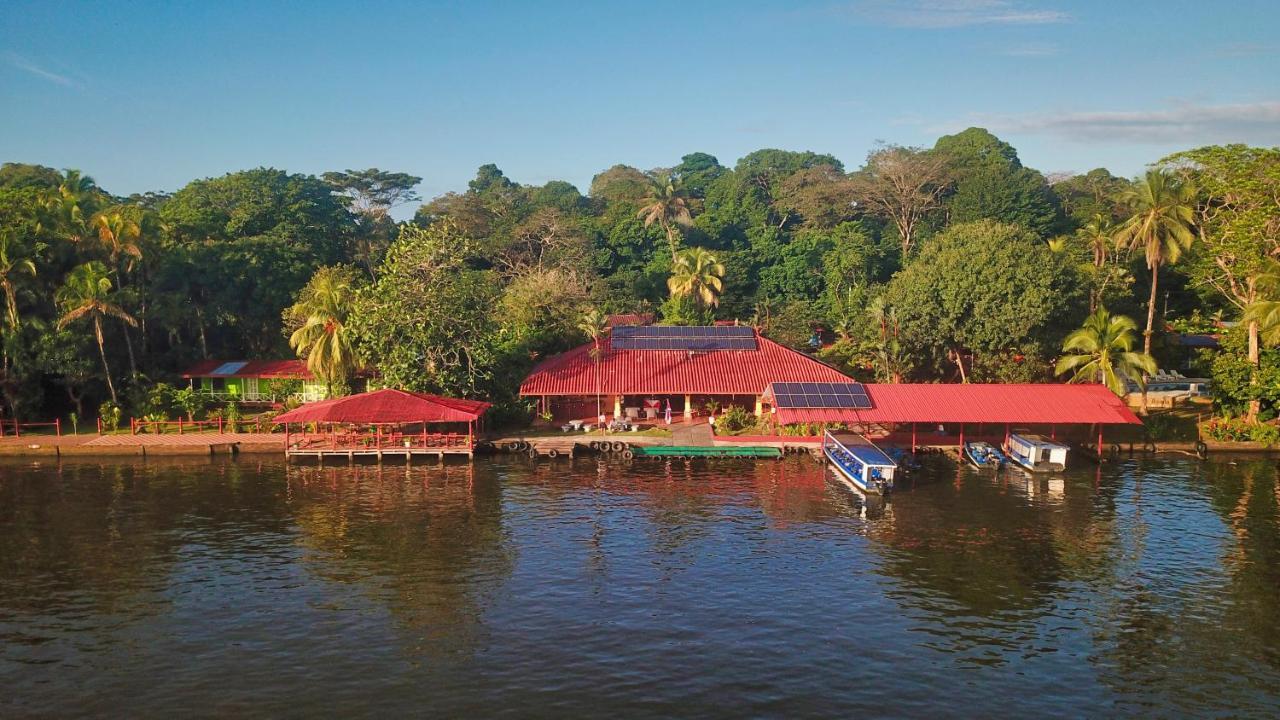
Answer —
234 587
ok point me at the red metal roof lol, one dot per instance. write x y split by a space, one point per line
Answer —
1013 404
676 372
387 406
272 369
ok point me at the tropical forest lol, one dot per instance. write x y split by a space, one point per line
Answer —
950 263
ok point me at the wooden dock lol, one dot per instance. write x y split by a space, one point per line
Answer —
320 454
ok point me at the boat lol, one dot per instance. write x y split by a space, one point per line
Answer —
859 462
984 455
1036 453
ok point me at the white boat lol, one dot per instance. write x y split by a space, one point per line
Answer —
858 461
1036 453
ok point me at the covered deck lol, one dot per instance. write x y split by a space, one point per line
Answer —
383 423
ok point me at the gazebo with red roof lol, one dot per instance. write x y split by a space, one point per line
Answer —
382 422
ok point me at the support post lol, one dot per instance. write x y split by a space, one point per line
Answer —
286 439
759 406
1006 434
913 437
617 406
961 445
688 407
1053 432
1099 442
179 424
219 424
57 426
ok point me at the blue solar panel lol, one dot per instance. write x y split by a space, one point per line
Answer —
820 395
673 337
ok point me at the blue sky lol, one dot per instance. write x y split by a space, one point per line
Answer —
148 96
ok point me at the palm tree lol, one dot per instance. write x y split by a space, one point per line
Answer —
120 232
593 325
669 205
11 264
1099 235
1266 310
321 334
1102 351
699 275
87 293
1163 207
74 202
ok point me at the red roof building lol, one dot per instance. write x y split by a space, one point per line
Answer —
566 384
387 407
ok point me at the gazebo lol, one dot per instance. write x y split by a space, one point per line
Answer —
383 422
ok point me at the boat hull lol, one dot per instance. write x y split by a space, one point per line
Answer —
851 478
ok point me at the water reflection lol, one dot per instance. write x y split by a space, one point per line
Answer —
716 589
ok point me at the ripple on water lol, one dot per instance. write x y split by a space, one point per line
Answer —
700 589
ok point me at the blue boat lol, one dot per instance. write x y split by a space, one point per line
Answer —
859 462
984 455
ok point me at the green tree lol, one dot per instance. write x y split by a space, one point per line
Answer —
371 194
87 293
992 184
1163 208
426 323
1102 351
319 320
1239 233
698 275
983 287
668 205
14 261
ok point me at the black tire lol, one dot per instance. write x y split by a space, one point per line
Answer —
532 453
553 453
627 454
1202 450
594 445
619 446
1115 449
514 446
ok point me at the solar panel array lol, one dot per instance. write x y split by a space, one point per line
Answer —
820 395
229 368
673 337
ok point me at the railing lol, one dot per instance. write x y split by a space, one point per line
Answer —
182 426
15 428
305 396
355 441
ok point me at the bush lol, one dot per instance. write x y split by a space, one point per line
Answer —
233 416
735 419
1229 429
110 414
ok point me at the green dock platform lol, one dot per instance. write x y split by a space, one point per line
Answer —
700 451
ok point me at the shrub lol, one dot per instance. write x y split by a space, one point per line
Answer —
1229 429
110 414
232 415
735 419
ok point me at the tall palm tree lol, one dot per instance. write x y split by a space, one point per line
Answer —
669 205
11 265
1102 351
87 293
321 335
1163 207
593 324
699 275
1099 235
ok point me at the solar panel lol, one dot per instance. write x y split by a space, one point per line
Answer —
820 395
688 338
230 368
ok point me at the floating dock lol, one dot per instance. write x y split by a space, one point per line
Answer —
717 451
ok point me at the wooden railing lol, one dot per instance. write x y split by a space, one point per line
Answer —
15 428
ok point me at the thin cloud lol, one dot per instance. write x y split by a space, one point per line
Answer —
24 64
1256 122
1245 49
1029 50
939 14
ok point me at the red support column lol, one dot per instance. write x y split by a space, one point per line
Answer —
219 424
377 434
961 445
1006 434
179 424
286 438
913 437
100 425
1053 432
1099 442
57 426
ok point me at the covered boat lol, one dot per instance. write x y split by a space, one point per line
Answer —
1037 453
858 461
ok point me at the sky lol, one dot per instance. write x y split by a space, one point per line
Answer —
149 96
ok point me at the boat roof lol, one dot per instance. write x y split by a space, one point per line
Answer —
1042 441
863 449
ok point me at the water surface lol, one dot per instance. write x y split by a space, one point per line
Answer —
579 588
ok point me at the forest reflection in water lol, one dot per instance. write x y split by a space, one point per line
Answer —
707 588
